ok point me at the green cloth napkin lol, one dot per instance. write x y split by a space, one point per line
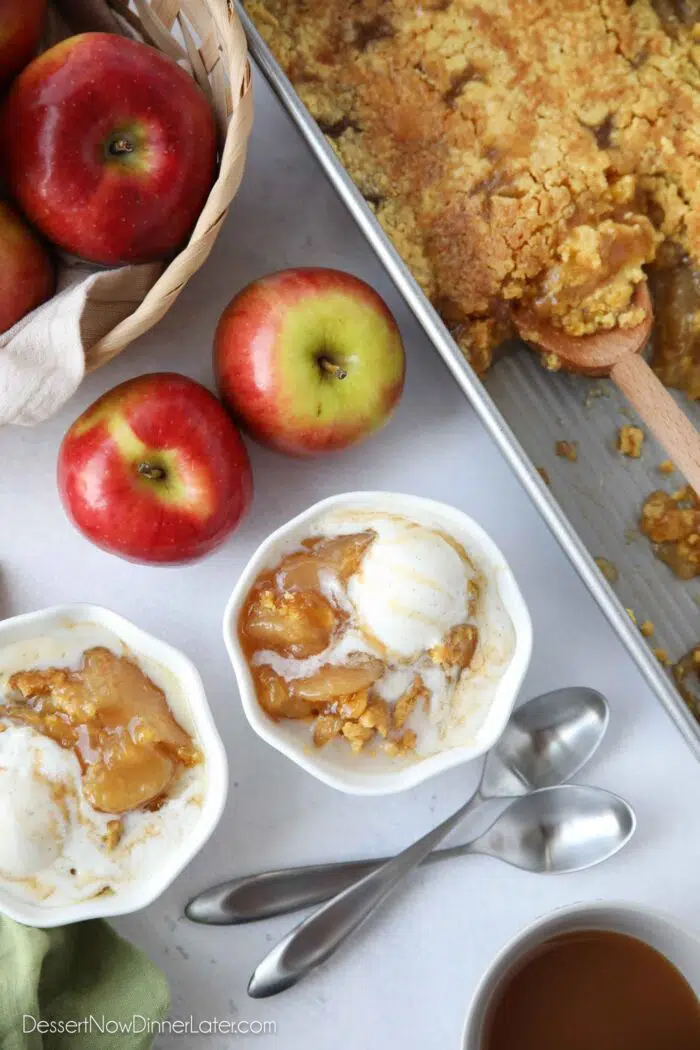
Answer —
71 974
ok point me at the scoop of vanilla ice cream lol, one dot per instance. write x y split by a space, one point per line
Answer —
411 587
32 826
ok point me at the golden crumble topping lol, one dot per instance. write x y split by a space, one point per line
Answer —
567 450
672 523
630 440
405 704
533 151
608 569
457 648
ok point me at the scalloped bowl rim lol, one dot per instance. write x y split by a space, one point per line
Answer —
146 890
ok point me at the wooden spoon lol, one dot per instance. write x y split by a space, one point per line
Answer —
617 353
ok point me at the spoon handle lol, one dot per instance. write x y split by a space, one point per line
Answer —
660 412
271 893
315 939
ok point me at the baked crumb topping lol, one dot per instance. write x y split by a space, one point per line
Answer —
567 450
537 152
630 440
672 523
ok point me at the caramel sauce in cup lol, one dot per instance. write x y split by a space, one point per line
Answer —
593 990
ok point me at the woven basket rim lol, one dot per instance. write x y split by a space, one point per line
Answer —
221 55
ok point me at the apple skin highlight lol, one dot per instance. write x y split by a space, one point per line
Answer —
309 360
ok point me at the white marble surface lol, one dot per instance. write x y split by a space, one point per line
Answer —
406 979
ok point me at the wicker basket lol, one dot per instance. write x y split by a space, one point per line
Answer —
207 37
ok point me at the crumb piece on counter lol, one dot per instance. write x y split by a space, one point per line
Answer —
630 440
457 648
607 568
567 450
114 834
632 615
647 628
666 467
662 656
551 362
405 704
326 727
357 735
376 717
543 473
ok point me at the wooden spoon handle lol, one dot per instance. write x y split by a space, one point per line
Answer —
660 412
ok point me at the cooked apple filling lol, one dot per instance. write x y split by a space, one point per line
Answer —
312 659
517 153
116 720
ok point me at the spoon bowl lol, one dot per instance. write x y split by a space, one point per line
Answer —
559 830
546 742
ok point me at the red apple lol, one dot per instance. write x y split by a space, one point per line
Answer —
21 26
309 360
155 471
109 148
26 271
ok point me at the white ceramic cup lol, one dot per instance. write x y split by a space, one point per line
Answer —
656 928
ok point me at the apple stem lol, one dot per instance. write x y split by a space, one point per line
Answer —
121 146
332 369
151 472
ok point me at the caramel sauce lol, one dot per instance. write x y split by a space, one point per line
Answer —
130 747
675 286
594 990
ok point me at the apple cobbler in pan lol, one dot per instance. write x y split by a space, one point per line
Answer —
544 153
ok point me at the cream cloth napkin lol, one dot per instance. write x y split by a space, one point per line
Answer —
42 359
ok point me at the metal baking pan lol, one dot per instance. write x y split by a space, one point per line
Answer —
593 505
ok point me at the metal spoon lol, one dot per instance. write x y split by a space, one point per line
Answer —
559 829
546 742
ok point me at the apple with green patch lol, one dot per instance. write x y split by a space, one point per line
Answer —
155 471
109 148
309 360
